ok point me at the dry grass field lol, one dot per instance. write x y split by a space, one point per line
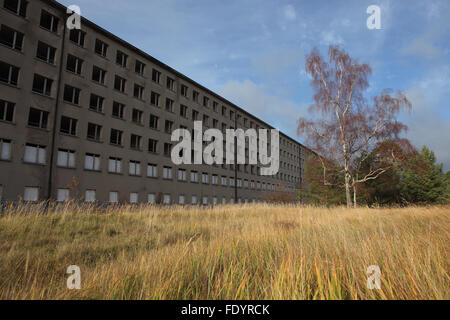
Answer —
256 251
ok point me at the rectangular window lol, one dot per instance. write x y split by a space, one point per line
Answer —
152 171
154 99
166 199
136 116
114 165
98 75
119 83
92 162
9 73
224 111
121 59
89 196
37 118
195 115
194 176
170 83
138 91
206 102
154 122
134 197
167 173
6 111
183 111
113 197
194 200
205 200
77 36
31 194
49 21
215 106
215 179
151 198
135 168
42 85
34 154
5 149
96 103
135 142
11 38
94 131
168 126
223 180
167 149
181 199
118 110
62 195
68 126
204 177
156 75
169 105
66 158
195 96
205 120
116 137
139 68
181 175
152 145
74 64
101 48
71 94
184 90
232 182
19 7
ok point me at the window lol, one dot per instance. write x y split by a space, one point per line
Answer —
139 68
214 200
156 75
195 115
152 171
68 126
37 118
138 91
42 85
113 197
215 106
167 149
89 196
121 59
134 197
31 194
92 162
170 83
62 195
116 137
231 182
119 83
205 200
204 177
135 142
9 74
194 176
183 111
66 158
215 179
245 183
118 110
166 199
114 165
34 154
98 75
77 36
168 126
224 111
205 120
151 198
167 173
194 200
195 95
136 116
71 94
5 149
96 103
184 90
74 64
181 199
231 115
11 38
94 131
169 105
215 123
101 47
154 122
181 175
223 180
6 111
206 102
152 145
19 7
49 21
154 99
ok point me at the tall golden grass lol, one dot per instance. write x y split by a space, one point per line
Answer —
256 251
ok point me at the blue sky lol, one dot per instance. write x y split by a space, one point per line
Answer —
253 52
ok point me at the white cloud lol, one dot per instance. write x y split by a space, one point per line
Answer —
289 12
330 37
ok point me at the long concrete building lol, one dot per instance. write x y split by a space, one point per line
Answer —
86 115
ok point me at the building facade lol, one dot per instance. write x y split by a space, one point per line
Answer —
85 115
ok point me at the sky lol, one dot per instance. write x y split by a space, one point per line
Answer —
253 52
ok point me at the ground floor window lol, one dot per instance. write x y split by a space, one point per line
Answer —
134 197
181 199
89 196
113 197
166 199
151 198
194 200
31 194
62 195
